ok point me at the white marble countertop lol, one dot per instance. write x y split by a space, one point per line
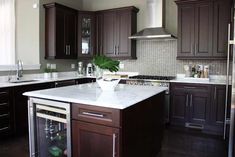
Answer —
90 94
213 82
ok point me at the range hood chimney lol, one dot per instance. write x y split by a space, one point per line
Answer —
155 23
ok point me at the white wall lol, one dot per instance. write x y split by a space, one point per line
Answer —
27 32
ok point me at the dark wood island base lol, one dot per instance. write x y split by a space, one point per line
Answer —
136 131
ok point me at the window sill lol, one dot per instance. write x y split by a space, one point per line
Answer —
25 67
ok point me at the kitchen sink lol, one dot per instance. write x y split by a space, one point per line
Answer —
22 81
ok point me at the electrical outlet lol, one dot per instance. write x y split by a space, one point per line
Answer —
53 66
121 65
72 66
48 66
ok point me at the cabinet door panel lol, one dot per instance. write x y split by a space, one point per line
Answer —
199 106
90 140
203 29
186 31
60 34
123 32
179 103
71 34
222 11
109 34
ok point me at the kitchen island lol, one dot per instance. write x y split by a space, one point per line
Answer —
124 123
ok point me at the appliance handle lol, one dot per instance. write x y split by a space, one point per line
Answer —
58 119
227 81
114 144
52 109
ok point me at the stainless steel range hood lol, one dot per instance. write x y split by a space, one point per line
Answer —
155 23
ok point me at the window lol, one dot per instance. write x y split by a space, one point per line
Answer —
7 32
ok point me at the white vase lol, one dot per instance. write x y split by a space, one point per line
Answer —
47 75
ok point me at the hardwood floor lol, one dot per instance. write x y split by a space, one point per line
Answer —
177 143
191 143
14 147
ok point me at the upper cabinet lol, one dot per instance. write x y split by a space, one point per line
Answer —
61 32
86 34
203 28
115 27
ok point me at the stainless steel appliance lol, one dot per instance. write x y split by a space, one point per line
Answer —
49 128
227 121
158 81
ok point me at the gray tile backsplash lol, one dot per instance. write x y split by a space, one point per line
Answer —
159 58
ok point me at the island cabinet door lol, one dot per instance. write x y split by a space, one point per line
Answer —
91 140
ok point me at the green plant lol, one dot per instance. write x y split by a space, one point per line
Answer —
47 70
107 63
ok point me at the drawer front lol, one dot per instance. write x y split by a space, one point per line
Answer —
4 108
188 87
4 123
97 115
4 96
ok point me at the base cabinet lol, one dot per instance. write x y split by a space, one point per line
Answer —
199 106
135 131
92 140
6 112
190 105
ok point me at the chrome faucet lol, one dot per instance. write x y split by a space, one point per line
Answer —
19 70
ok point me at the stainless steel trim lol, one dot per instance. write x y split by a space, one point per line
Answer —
52 109
114 145
93 114
66 106
5 128
191 100
31 128
61 120
187 100
227 81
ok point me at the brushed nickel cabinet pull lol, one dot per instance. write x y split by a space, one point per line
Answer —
93 114
187 100
191 100
215 93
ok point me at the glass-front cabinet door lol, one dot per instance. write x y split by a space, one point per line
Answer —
86 39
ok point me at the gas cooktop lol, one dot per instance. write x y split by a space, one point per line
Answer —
152 77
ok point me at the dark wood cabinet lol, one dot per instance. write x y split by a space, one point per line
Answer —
61 32
100 131
218 97
65 83
190 105
6 112
86 34
222 17
117 25
203 29
94 140
21 105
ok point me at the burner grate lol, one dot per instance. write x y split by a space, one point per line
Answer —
150 77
